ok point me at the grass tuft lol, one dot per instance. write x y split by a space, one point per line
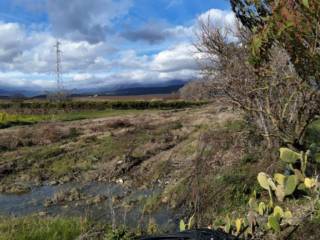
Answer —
34 228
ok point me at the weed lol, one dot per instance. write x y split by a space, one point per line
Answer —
235 125
34 228
152 203
249 158
312 135
120 233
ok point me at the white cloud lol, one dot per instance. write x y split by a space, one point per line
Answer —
180 57
11 41
34 52
27 57
219 18
32 81
130 59
82 77
181 31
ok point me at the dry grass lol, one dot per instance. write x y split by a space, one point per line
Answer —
42 134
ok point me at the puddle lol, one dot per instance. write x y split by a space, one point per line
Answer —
126 211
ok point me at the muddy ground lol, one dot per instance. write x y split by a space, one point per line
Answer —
152 156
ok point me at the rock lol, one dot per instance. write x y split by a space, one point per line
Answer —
47 203
120 181
65 179
53 183
42 214
165 199
119 162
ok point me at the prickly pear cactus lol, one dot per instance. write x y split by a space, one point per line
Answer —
263 180
290 185
289 156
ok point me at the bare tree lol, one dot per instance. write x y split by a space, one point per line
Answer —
280 103
202 89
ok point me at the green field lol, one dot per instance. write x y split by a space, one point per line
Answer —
9 120
31 112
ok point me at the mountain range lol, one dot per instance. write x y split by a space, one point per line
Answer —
129 89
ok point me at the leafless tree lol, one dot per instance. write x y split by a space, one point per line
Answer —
280 103
202 89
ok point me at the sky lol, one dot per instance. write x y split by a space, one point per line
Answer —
103 42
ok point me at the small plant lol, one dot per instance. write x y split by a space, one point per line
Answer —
152 226
183 226
3 116
120 233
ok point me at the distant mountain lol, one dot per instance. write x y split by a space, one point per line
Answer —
143 90
136 88
6 92
129 89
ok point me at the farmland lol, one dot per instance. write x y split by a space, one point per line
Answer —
128 163
29 112
91 167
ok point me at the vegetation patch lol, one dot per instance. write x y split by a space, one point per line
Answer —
98 105
34 228
8 120
39 228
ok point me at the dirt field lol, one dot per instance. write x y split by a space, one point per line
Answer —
141 161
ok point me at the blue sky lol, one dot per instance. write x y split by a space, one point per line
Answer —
104 42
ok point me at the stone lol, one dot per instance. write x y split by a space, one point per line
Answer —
120 181
53 183
42 214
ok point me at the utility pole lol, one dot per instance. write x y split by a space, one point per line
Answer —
58 66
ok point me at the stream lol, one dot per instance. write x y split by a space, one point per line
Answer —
126 210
